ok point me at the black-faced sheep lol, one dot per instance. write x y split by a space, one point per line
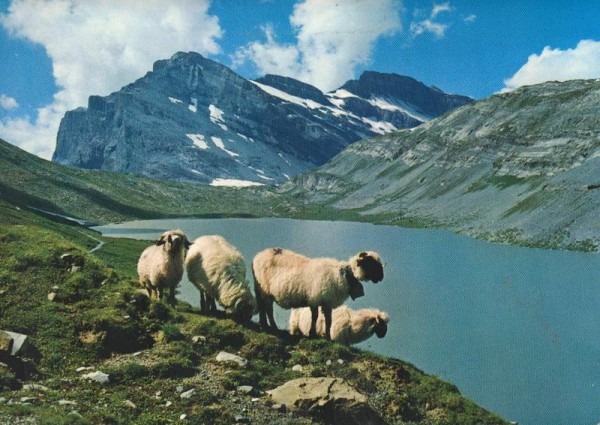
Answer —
347 327
293 280
218 270
161 265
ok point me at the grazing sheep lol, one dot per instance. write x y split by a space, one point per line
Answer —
161 265
347 327
293 280
218 270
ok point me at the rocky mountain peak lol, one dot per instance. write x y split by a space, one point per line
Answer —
194 119
430 100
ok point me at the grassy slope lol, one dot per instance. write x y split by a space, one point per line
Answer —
104 197
99 319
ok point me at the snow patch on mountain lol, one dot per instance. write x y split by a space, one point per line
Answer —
198 140
234 183
288 97
219 143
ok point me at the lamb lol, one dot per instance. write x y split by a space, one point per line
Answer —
161 265
293 280
218 270
348 326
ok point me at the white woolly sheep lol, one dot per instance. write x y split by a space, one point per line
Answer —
347 327
293 280
161 265
218 270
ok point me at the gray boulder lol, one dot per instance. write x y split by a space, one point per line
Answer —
332 399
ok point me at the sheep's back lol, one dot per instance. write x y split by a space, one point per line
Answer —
212 261
294 280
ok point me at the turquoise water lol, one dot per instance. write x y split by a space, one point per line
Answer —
516 329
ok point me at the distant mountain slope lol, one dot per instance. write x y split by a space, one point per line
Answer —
193 119
519 167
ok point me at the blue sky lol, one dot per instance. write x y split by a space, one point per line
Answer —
55 53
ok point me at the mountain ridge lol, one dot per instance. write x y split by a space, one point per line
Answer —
193 119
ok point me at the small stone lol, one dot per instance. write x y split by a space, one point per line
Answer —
183 416
255 399
228 357
247 389
67 258
137 353
2 292
20 342
340 361
297 368
129 403
67 402
55 288
240 419
36 387
179 388
82 368
2 399
97 376
168 403
198 339
279 407
29 400
328 362
6 342
51 296
188 393
158 394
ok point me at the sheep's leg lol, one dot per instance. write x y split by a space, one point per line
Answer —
212 306
314 313
172 294
269 308
149 290
159 292
327 314
260 303
203 307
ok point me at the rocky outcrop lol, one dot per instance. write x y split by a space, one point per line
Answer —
329 398
193 119
518 167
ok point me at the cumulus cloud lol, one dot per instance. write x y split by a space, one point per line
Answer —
332 39
582 62
7 102
429 25
97 46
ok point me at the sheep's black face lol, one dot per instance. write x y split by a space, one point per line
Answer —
380 328
175 243
371 266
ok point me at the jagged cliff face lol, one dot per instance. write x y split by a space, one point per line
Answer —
522 166
192 119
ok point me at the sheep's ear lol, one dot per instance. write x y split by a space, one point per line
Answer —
159 242
362 255
187 243
169 239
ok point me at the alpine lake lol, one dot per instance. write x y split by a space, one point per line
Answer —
516 329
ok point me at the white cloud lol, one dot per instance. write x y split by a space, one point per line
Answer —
332 39
439 8
471 18
419 28
97 46
582 62
429 25
7 102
